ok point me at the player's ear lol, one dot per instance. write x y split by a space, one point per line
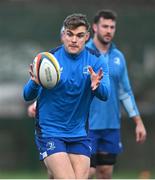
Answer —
94 27
87 36
62 36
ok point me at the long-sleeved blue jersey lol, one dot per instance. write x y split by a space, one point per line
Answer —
63 110
106 115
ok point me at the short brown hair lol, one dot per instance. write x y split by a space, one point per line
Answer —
75 20
106 14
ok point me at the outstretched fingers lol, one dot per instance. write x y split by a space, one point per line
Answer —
91 70
100 74
33 77
95 77
31 71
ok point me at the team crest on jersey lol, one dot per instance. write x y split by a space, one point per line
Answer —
44 154
117 60
50 145
86 70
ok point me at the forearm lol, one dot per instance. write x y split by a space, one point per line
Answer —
31 91
102 93
129 105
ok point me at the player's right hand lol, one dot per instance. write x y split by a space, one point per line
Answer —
33 77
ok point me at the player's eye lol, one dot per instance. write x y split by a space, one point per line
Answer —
112 27
69 34
81 35
105 26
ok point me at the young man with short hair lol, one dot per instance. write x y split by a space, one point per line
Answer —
62 112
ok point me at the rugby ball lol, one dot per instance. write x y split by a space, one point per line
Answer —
46 69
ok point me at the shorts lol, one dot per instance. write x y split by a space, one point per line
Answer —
107 140
49 146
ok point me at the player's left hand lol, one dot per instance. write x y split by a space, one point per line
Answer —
95 78
140 132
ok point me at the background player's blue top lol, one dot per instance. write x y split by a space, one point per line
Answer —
63 110
106 115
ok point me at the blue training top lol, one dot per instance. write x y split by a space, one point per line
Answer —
63 110
106 115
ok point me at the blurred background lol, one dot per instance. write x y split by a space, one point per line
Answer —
28 27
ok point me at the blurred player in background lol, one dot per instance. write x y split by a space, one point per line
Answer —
105 117
62 112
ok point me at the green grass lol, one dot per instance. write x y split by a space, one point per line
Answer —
23 175
145 174
43 175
